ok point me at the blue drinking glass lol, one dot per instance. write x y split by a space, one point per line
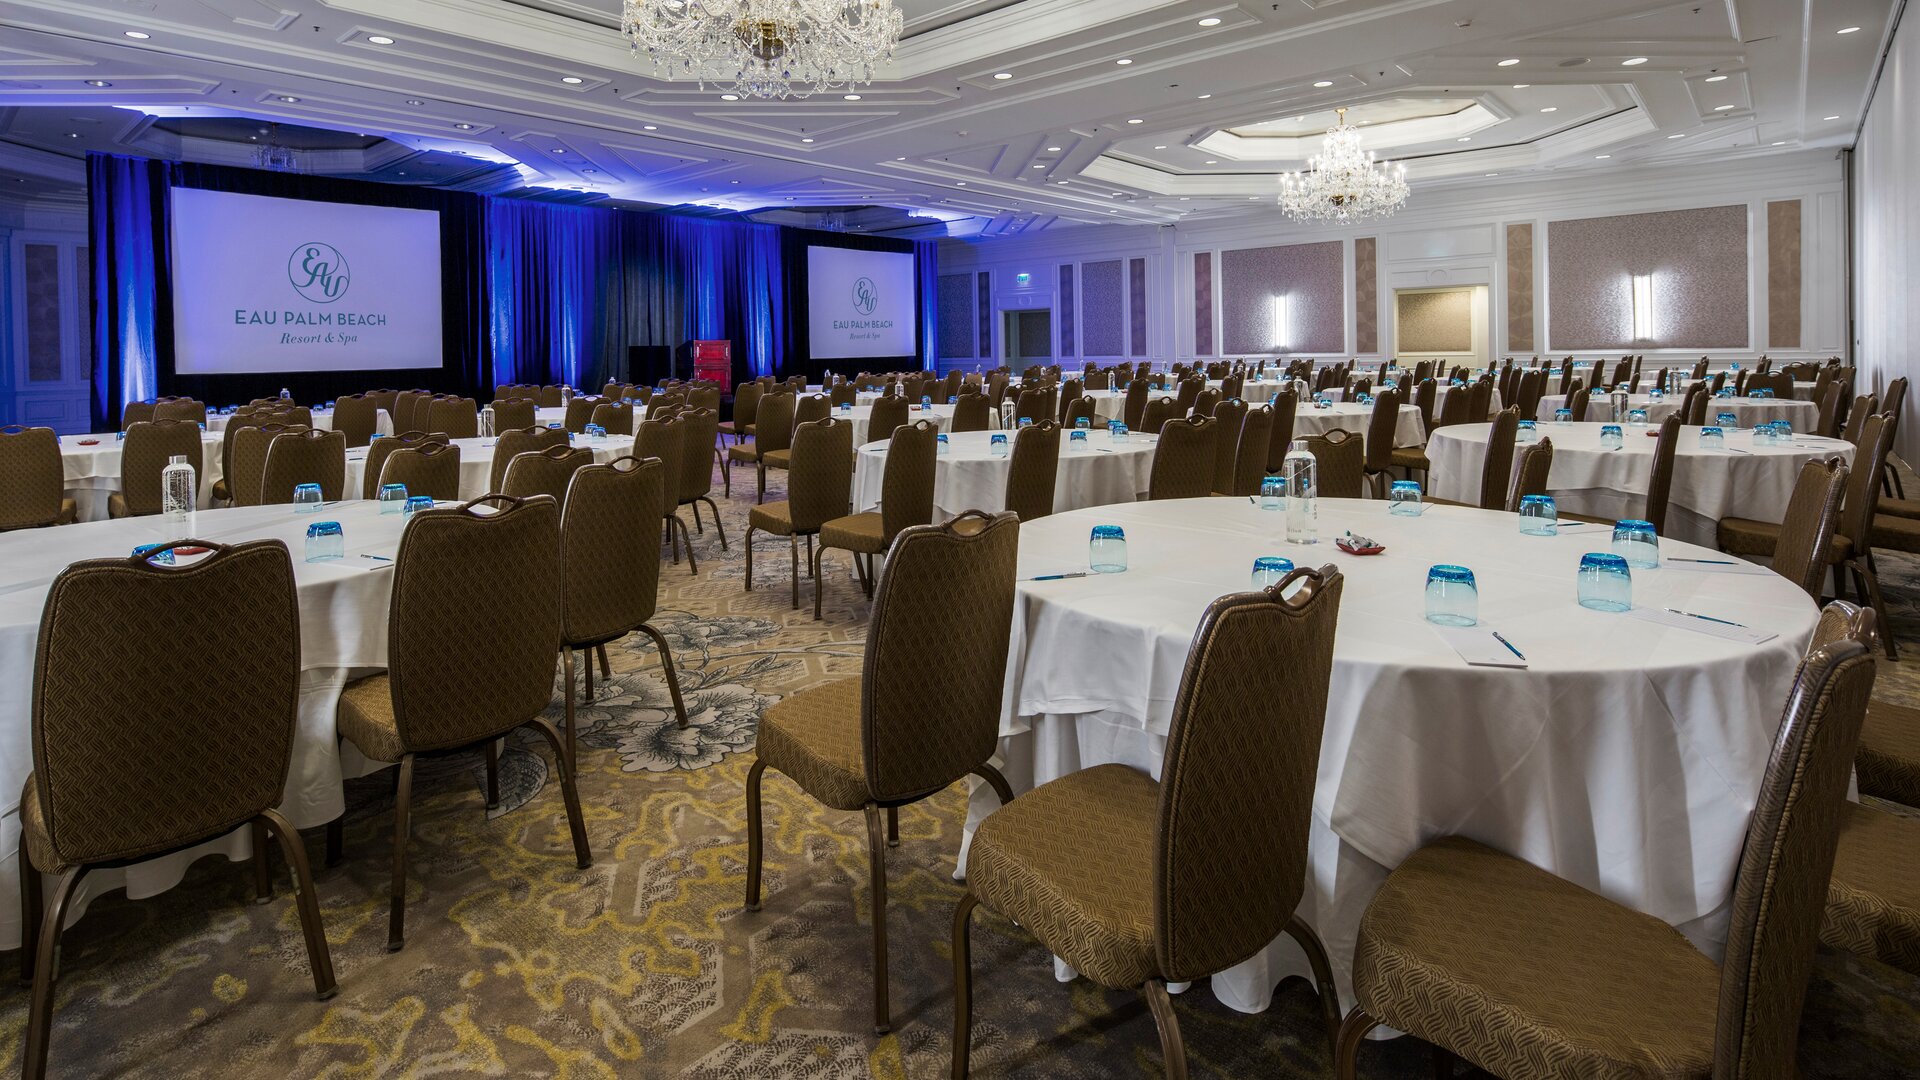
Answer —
417 503
596 433
1724 392
1606 582
1117 432
1323 402
1403 499
1107 550
1273 493
1636 542
1636 418
997 444
1366 399
1563 416
393 498
846 406
1712 438
1076 440
165 558
1763 434
306 498
1539 516
1270 570
945 445
1084 423
1025 422
1452 597
925 402
1610 437
325 542
1728 421
1782 431
1527 433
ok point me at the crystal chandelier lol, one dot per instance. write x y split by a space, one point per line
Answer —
273 154
765 48
1343 182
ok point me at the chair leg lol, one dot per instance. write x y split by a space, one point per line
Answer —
336 840
810 572
397 904
606 666
307 900
586 690
1171 1048
726 473
673 538
754 851
719 527
749 558
1863 572
33 1058
793 545
893 826
697 527
674 519
566 662
877 870
1353 1032
963 984
570 791
813 570
262 864
492 750
1322 977
761 496
32 899
666 665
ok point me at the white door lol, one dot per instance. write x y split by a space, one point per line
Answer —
49 367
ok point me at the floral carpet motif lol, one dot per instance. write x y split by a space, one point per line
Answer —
518 964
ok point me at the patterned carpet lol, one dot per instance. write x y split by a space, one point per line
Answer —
519 964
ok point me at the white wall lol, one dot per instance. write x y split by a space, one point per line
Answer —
1887 228
62 405
1457 236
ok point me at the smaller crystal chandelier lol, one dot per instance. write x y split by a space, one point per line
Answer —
765 48
273 154
1343 182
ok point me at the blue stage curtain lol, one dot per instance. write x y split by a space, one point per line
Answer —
734 287
926 264
126 200
557 294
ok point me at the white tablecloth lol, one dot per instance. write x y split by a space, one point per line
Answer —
1625 759
476 461
93 471
343 635
969 477
322 421
1742 480
861 416
1355 418
1749 411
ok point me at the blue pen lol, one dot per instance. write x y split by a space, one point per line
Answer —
1502 640
1707 618
1059 577
377 558
1708 562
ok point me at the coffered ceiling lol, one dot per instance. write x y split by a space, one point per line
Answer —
997 116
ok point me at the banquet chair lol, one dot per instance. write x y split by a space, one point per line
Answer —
819 490
1479 401
193 412
609 579
456 417
1183 461
662 439
1234 385
951 387
1137 883
1341 463
1204 402
1536 462
1033 470
1250 457
1036 404
969 414
1496 465
704 395
698 430
746 402
1578 401
1864 406
135 412
125 770
1157 413
616 418
906 499
810 408
772 432
1700 372
33 493
356 417
465 665
1078 409
1187 394
1780 382
1071 391
385 399
249 467
1522 973
1804 539
1383 425
545 472
1896 402
304 457
1848 550
904 730
550 396
580 413
1697 405
885 415
513 415
1228 417
1133 408
149 447
430 469
1425 393
403 410
1888 761
1286 409
380 449
1452 411
843 394
514 442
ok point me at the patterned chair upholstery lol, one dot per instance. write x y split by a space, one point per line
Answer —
1888 761
1138 883
550 396
1524 974
1802 544
135 412
1033 470
430 469
905 729
1496 467
1383 424
149 447
1036 404
580 413
516 441
1183 460
1341 463
699 429
906 499
546 472
32 480
1536 463
455 417
1250 459
250 447
662 440
746 402
403 409
378 451
515 414
193 412
304 457
614 419
971 413
888 413
1228 414
819 489
465 665
357 417
222 722
772 434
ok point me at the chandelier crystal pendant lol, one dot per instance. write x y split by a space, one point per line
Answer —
765 48
1343 182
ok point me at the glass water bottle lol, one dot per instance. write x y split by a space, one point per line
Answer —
178 489
1302 471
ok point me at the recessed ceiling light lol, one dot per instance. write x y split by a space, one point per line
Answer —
806 140
1829 118
1212 162
1123 63
1676 136
379 39
1003 76
289 99
559 149
1493 174
1116 194
137 35
591 172
729 97
1159 148
1847 30
1063 183
960 183
415 101
1601 157
464 127
1209 22
1204 97
1716 78
1323 83
1521 85
1782 142
1464 138
850 97
733 181
1039 166
73 134
1551 108
1509 62
1633 61
1136 120
99 82
1722 108
573 80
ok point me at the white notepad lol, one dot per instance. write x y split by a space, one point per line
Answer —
1713 567
1728 631
1478 647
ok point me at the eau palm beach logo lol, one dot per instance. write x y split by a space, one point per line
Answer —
318 272
866 296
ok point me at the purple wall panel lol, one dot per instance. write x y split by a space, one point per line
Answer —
1203 303
1137 290
956 317
1102 308
1065 306
1312 278
1698 261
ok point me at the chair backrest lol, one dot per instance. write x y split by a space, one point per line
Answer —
196 668
1286 409
661 439
1188 393
773 428
144 456
1896 402
430 469
616 418
1786 864
1496 469
1813 512
925 725
746 404
1578 400
580 413
1382 426
906 488
545 472
820 476
135 412
1660 480
1697 407
249 465
470 663
357 417
1244 746
1424 395
1479 400
550 396
403 410
1157 413
1536 463
1133 412
609 558
1032 472
377 453
1862 496
1036 404
699 429
1071 391
971 413
810 408
1250 458
951 387
514 414
193 412
385 399
1863 406
1340 463
35 477
305 457
455 417
888 413
1077 409
704 395
1780 382
1183 460
1228 415
1204 402
843 394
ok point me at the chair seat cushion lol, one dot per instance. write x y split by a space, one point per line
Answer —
1072 861
1873 899
776 459
813 738
1745 536
1888 758
69 512
775 517
366 719
746 452
726 427
117 506
220 491
1409 457
863 533
33 831
1906 508
1896 533
1525 974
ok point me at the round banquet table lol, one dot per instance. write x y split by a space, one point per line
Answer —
343 636
969 477
1625 762
476 461
1747 411
550 417
93 471
861 417
1353 417
322 421
1440 392
1742 480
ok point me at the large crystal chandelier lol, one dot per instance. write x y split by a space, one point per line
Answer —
765 48
1343 182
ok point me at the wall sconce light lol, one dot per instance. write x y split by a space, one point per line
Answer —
1283 323
1642 307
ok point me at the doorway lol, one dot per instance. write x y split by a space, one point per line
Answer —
1027 338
